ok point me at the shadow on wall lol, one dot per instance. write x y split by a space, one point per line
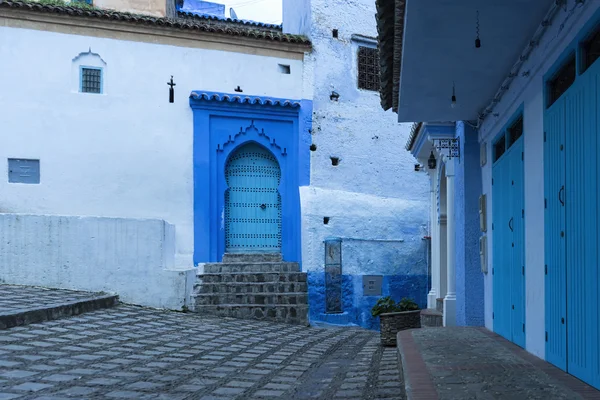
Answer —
355 306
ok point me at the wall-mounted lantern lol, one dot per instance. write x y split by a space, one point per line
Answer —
334 96
432 163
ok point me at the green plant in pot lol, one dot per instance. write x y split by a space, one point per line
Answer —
395 317
387 305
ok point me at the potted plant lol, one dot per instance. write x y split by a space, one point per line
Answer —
395 317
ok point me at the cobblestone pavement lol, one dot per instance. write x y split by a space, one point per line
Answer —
22 298
130 352
473 363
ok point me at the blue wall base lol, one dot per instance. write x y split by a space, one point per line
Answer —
356 307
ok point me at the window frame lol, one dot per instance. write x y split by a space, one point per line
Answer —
504 134
359 46
81 68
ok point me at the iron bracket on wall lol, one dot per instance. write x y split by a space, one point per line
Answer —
452 145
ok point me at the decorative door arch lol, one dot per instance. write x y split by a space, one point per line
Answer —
252 201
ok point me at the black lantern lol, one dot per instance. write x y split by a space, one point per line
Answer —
431 163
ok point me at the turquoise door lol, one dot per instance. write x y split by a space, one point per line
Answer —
572 197
252 201
554 229
508 242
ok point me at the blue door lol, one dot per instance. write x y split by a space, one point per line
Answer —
572 223
508 242
554 229
252 201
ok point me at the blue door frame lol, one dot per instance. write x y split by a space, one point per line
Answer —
509 236
223 123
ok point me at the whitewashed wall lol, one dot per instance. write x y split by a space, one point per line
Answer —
368 193
529 92
130 257
126 152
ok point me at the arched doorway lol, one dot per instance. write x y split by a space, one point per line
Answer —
252 201
443 218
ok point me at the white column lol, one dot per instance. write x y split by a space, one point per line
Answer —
450 299
434 261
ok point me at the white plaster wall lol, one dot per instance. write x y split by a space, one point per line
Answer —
126 152
529 92
368 193
130 257
389 228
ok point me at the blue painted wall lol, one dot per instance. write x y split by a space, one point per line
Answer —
356 306
469 278
401 265
223 123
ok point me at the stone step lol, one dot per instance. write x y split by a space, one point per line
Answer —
49 312
245 277
249 288
251 258
266 267
291 314
431 317
439 305
300 298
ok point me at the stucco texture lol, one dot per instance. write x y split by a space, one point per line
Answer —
376 203
126 152
469 278
130 257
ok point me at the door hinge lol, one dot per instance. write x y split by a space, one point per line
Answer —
492 271
492 181
546 336
546 269
544 136
522 213
522 156
545 203
523 269
523 327
492 315
492 226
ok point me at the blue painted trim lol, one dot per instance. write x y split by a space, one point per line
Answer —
81 67
573 47
442 167
502 133
224 122
433 132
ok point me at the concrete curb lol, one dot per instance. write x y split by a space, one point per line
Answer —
416 378
53 312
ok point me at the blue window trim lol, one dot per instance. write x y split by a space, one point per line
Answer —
503 133
574 47
213 145
81 67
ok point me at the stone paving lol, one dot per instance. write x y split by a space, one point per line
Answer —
474 363
130 352
21 298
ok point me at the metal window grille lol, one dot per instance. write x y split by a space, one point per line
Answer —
91 80
368 68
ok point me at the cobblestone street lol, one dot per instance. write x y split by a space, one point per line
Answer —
136 353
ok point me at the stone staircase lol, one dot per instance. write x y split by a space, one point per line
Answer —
433 317
253 286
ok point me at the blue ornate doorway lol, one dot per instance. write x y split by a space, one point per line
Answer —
252 201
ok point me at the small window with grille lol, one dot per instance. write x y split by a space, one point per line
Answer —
368 68
91 80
